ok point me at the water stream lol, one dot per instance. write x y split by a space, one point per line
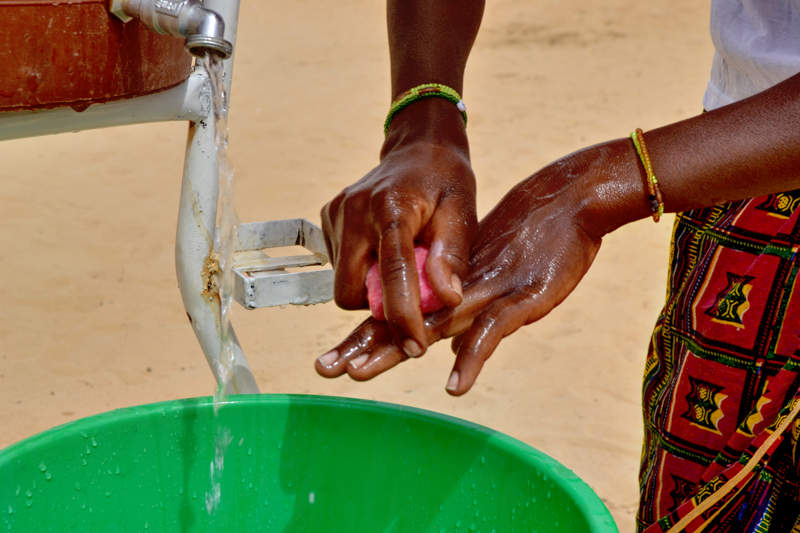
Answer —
224 245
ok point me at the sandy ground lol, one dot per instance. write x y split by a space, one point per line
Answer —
91 318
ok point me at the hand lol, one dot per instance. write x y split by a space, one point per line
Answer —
421 192
532 250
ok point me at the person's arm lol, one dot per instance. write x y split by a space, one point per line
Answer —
743 150
423 190
535 246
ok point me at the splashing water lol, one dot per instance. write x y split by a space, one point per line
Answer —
224 246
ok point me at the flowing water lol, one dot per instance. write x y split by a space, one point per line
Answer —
224 246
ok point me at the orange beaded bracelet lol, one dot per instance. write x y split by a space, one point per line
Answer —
654 198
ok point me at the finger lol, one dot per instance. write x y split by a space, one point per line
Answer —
378 361
455 344
327 232
476 345
349 290
453 226
369 335
401 288
478 296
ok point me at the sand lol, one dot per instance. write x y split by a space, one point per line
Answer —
91 318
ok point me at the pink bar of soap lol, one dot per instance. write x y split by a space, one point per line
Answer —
428 300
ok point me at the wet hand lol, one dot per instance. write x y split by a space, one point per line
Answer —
531 251
424 193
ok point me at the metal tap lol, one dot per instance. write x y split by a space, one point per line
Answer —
203 29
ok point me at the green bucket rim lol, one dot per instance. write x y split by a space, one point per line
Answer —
594 510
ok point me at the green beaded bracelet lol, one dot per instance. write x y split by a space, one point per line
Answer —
426 90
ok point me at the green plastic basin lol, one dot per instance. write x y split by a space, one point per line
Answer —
293 464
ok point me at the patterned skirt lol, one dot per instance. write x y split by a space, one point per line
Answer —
721 391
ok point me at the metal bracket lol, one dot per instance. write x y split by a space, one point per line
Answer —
263 280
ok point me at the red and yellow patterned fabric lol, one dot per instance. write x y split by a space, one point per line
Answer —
721 390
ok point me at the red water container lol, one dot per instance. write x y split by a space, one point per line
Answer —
75 53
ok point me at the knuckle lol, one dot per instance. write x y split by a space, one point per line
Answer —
357 339
395 270
392 208
458 262
397 321
330 209
352 207
487 321
384 207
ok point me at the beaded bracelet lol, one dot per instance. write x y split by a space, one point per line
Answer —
654 198
426 90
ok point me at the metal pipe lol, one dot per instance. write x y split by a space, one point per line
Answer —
203 29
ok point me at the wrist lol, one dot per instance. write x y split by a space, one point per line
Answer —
431 120
614 191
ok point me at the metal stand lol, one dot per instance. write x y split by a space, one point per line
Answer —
266 281
261 280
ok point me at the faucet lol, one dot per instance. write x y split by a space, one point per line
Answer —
203 29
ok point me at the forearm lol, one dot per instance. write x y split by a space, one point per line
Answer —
430 42
743 150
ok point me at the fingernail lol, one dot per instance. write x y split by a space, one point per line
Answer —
455 284
358 361
329 358
452 383
412 348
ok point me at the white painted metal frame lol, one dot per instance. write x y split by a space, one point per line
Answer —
265 281
191 100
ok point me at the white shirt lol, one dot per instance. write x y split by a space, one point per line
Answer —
757 45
